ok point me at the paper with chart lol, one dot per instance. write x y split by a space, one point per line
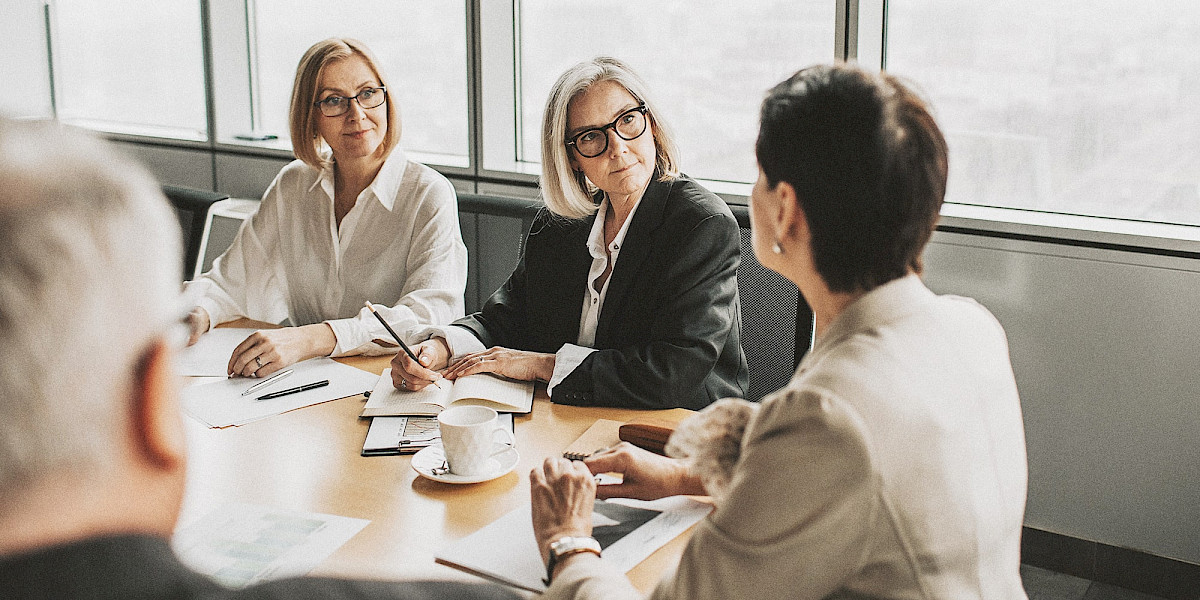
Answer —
241 544
210 355
482 389
629 531
220 403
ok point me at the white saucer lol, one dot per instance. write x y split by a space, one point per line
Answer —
432 457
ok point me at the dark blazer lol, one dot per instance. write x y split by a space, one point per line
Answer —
669 334
144 568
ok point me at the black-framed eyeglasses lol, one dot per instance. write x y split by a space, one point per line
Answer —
335 106
591 143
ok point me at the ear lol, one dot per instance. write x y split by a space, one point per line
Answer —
158 424
790 221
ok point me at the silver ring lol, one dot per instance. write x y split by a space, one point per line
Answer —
404 383
258 362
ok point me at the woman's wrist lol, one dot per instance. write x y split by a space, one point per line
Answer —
322 340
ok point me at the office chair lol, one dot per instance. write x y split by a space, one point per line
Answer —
191 207
776 321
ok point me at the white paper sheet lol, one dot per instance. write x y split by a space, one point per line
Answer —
506 551
210 355
241 544
221 403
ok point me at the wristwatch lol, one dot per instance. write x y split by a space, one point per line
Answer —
566 546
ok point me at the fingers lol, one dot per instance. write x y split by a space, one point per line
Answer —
407 374
254 357
481 362
615 459
197 322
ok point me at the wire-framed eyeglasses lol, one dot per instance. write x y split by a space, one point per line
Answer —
630 125
335 106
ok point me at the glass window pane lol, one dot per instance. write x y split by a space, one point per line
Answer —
1079 106
131 65
23 66
421 45
707 62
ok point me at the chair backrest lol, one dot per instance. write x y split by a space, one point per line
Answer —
191 207
776 321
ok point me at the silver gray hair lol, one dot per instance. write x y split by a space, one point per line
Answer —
568 193
90 268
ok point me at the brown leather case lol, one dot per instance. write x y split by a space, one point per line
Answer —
651 434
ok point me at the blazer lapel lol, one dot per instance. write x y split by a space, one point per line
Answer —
563 291
639 243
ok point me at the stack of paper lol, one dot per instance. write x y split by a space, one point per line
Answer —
220 403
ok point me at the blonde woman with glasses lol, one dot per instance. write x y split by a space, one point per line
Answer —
351 220
626 294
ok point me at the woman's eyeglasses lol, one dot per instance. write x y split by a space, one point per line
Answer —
335 106
591 143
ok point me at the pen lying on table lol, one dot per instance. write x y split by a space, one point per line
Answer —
276 378
295 390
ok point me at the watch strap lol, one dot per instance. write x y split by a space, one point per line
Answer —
566 546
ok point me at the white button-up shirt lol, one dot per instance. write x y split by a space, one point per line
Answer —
569 357
399 246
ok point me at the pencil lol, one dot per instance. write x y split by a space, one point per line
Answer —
396 337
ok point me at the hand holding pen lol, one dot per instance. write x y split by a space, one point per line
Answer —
413 371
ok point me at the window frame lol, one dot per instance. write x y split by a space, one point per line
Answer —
493 164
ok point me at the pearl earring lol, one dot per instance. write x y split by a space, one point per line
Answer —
776 248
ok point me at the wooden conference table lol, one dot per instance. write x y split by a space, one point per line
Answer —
308 460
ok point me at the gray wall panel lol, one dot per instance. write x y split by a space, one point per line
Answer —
174 166
1104 352
246 176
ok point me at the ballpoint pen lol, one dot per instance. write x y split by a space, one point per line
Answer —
295 390
399 341
276 378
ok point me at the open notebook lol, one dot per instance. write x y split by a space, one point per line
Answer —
482 389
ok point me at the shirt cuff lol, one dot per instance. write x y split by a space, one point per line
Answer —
565 361
460 340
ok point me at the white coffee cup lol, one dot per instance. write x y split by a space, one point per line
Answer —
469 439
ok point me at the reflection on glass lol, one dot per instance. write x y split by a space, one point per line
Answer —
707 62
131 65
421 46
1080 106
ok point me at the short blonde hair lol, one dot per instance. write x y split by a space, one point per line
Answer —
567 192
306 144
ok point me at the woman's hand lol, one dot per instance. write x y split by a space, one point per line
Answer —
646 476
197 322
514 364
562 493
269 350
432 355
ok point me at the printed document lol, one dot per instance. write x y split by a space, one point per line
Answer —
241 544
629 531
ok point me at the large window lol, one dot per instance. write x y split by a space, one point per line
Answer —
421 45
134 66
1085 107
1079 107
708 63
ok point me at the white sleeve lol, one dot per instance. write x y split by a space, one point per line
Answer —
246 280
460 340
433 290
566 360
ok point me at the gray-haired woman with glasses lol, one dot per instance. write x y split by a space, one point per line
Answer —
626 294
351 221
